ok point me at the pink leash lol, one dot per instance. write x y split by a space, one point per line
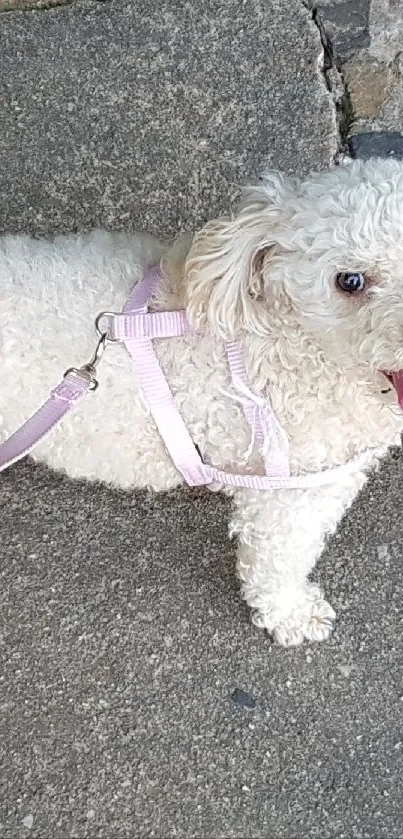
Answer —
136 328
70 391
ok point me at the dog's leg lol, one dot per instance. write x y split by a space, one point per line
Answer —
281 535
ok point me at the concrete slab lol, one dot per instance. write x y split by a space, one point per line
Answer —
124 642
131 114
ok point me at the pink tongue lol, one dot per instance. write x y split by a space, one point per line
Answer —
397 379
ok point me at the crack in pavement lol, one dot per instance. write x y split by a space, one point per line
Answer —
335 83
363 67
37 5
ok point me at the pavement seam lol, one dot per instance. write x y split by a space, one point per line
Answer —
335 82
30 6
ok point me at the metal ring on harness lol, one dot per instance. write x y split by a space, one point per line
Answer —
100 332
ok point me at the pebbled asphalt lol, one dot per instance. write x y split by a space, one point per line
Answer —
136 698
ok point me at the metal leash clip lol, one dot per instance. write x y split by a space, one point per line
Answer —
88 371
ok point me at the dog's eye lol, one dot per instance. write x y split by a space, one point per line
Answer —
351 283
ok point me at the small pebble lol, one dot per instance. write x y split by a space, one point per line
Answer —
28 821
243 699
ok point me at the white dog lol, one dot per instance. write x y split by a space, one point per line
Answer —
308 277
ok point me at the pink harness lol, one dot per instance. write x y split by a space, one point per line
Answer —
136 327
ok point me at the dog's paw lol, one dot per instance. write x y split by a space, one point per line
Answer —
313 620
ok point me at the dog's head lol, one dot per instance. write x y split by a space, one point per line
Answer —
328 251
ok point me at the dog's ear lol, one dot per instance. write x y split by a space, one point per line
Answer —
228 258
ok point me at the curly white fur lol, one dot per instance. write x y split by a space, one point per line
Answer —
266 277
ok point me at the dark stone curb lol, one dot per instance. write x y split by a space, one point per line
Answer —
346 23
376 144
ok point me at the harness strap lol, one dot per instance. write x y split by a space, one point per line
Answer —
155 387
236 363
266 429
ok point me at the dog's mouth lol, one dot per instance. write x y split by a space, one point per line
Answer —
396 379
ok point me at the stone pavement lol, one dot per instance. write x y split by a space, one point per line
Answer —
136 699
365 38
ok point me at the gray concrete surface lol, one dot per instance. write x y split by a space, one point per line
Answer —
124 640
136 698
148 115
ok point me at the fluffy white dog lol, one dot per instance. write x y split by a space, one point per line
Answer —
308 277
